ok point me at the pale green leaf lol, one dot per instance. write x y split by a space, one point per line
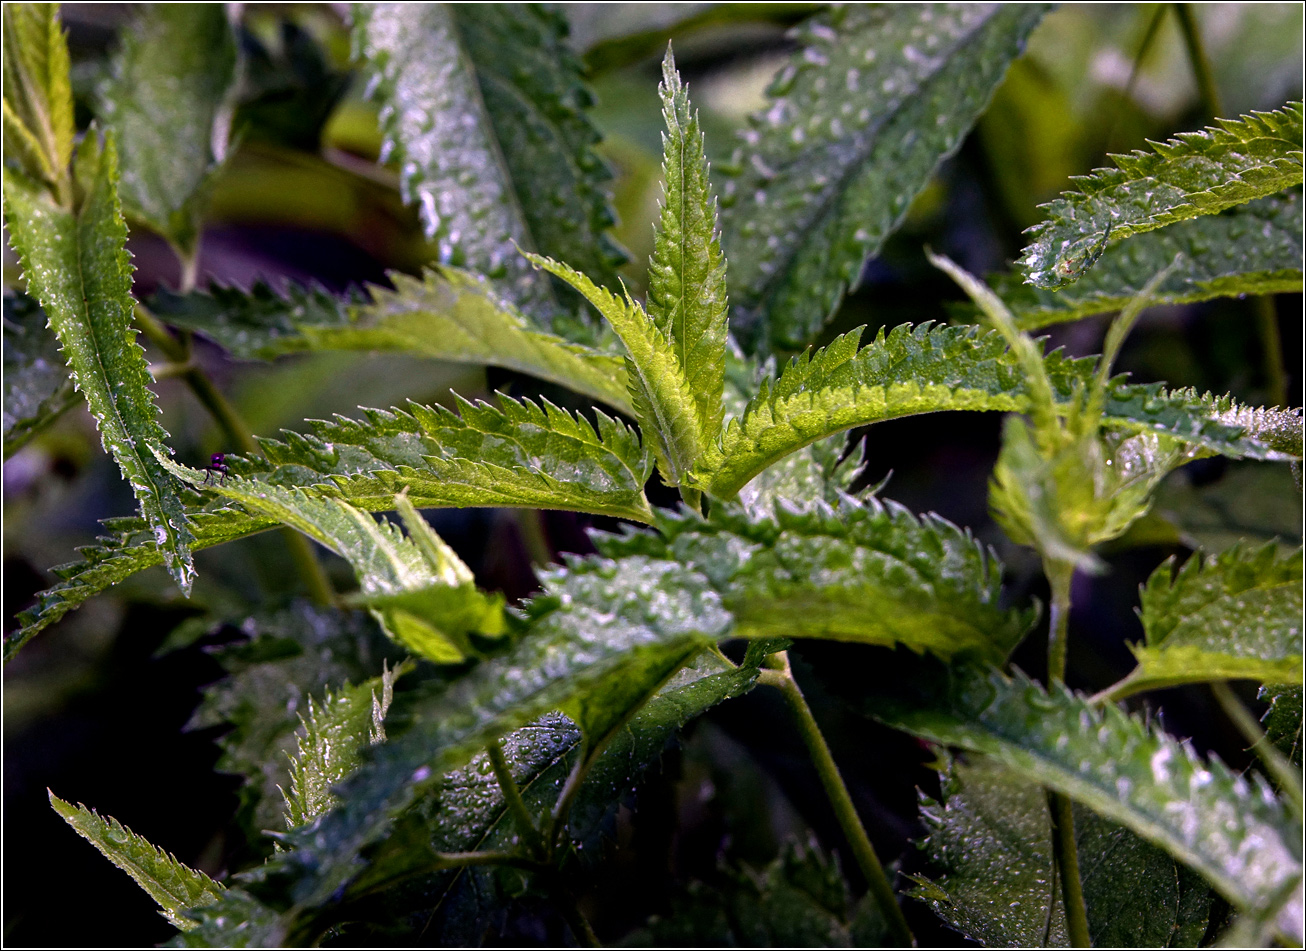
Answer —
38 93
166 100
1251 249
173 885
36 384
687 275
1233 615
79 270
1196 173
857 123
1232 830
446 315
480 107
659 390
990 851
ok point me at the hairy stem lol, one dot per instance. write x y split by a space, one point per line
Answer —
780 675
512 795
1206 87
1065 854
238 433
1267 326
1059 574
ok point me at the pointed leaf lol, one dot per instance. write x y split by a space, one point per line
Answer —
687 276
447 315
489 95
659 391
38 93
79 270
1235 832
173 885
165 101
1196 173
36 384
858 122
1235 615
1260 253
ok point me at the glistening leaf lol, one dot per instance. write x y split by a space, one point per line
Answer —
687 276
858 121
165 100
1232 830
1196 173
38 94
173 885
36 384
1260 253
78 268
1235 615
446 315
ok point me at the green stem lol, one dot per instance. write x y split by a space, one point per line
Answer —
238 434
1278 765
780 675
512 795
530 527
1065 854
1206 87
1267 325
1059 574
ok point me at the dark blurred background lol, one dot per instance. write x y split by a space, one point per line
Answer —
94 708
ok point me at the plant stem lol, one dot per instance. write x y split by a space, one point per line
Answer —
1267 326
512 795
1206 87
238 433
781 676
530 528
1059 574
1065 854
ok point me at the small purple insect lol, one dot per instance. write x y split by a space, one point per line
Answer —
218 463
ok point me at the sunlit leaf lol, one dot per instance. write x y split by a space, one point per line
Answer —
38 94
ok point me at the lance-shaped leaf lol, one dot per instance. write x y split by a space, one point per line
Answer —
1260 253
419 596
173 885
867 572
659 390
1233 831
165 101
1234 615
36 384
1196 173
78 268
336 731
687 275
989 846
480 109
38 94
858 121
446 315
926 369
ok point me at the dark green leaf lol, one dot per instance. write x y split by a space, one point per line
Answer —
858 122
79 270
238 921
36 383
1282 721
1252 503
1197 173
165 101
173 885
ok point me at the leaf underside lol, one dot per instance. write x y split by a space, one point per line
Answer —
36 384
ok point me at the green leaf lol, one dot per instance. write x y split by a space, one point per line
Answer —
173 885
165 102
857 124
238 921
1269 264
336 731
1233 831
1282 720
38 94
989 846
927 369
36 384
659 390
490 95
79 270
446 315
1234 615
687 275
1196 173
867 572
